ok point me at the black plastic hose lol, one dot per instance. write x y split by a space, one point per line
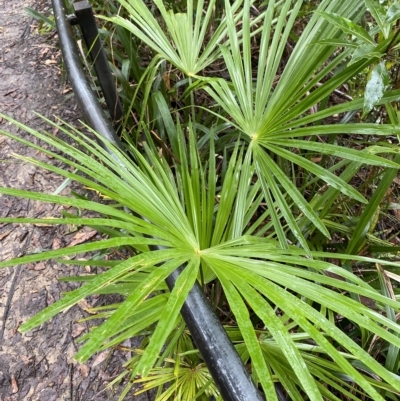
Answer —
90 33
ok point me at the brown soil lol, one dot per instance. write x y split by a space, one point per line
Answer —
39 365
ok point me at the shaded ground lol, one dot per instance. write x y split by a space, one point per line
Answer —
39 365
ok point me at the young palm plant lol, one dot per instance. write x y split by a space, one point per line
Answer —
272 114
179 212
278 117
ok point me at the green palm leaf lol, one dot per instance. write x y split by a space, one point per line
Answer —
183 46
272 116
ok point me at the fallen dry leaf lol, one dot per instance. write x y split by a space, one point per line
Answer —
49 62
4 235
104 376
100 358
83 304
56 243
39 266
84 370
25 359
393 276
82 236
78 329
14 385
44 51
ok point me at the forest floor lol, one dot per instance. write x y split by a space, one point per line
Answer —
39 365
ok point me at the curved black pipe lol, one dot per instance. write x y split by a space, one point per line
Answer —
218 352
90 33
87 100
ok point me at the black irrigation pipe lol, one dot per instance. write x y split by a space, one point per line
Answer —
218 352
87 23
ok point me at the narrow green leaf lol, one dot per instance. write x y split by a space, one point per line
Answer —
392 358
139 262
365 219
378 13
365 51
366 156
87 247
178 295
241 313
320 172
360 129
393 13
266 163
111 325
280 334
334 42
346 26
39 16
